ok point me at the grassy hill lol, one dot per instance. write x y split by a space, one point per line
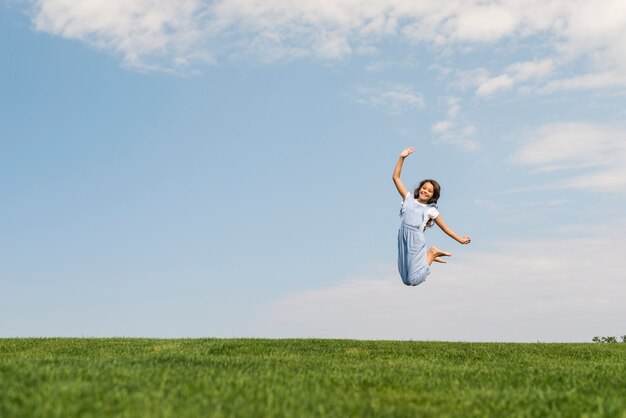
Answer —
299 378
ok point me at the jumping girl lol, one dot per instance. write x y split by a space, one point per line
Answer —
419 211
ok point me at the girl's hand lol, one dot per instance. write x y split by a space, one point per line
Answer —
405 153
465 240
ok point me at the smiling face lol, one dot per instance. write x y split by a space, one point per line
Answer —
426 192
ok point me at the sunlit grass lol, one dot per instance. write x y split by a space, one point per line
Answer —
296 378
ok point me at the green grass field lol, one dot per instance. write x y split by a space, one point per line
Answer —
299 378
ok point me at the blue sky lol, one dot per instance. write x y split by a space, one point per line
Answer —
223 169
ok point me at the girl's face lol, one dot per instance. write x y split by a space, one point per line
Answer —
426 192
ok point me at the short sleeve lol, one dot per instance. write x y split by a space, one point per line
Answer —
402 207
432 212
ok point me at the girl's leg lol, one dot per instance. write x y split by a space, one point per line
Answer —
434 253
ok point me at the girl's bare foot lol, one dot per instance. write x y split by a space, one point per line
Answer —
434 252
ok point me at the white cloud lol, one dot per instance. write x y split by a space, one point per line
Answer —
598 31
599 150
441 127
172 33
523 291
379 66
522 71
332 46
454 106
142 31
393 98
501 82
469 79
454 131
461 137
482 22
600 80
514 74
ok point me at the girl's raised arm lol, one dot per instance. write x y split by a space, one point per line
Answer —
398 170
445 228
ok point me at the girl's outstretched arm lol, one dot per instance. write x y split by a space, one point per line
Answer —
445 228
398 170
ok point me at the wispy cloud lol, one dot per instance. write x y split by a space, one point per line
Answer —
589 81
382 65
598 150
525 291
178 33
391 97
453 130
144 32
514 74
